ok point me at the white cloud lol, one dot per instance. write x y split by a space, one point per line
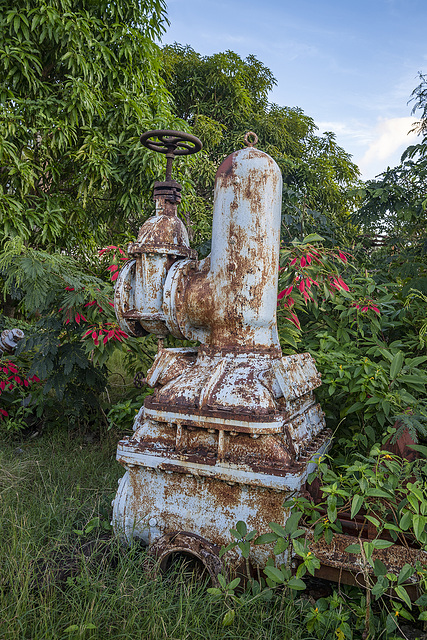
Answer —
389 139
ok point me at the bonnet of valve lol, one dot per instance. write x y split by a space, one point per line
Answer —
244 261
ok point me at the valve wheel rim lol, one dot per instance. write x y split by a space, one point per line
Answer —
174 143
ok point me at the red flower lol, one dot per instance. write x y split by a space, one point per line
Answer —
114 276
69 288
292 262
308 258
303 261
295 320
285 292
342 256
343 284
112 267
3 413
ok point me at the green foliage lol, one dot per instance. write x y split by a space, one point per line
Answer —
79 85
222 97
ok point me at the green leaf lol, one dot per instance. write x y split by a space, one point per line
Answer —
72 628
278 529
274 574
297 584
396 364
381 544
234 583
245 548
281 545
406 572
406 521
292 522
353 548
374 521
356 505
228 619
419 523
377 493
403 594
241 528
312 237
419 447
379 568
222 581
265 538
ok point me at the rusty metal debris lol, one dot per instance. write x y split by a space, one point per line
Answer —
9 339
232 428
338 565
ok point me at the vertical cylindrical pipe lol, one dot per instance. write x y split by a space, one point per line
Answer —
244 263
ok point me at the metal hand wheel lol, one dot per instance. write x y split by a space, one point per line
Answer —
172 143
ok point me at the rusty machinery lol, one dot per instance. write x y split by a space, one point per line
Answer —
232 428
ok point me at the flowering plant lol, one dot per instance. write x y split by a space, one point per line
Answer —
309 273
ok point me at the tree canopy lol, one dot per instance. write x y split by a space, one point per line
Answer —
223 96
80 83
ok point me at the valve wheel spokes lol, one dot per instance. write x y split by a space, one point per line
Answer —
173 143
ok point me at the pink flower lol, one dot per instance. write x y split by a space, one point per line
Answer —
342 256
292 262
376 310
303 261
114 276
308 258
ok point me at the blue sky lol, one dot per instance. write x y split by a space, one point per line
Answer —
350 65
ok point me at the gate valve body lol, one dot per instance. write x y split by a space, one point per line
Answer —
232 411
162 240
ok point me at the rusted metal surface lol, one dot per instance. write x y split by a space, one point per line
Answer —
9 339
232 428
340 566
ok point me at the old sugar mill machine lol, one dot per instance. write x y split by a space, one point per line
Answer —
232 427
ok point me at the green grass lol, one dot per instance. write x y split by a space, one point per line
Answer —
58 584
